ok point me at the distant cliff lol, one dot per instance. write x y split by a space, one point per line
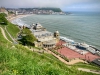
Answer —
53 9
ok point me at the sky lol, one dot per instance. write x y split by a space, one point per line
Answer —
65 5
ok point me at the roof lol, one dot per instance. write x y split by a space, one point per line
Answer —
38 25
50 42
43 35
57 32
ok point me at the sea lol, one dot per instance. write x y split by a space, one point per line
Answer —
82 27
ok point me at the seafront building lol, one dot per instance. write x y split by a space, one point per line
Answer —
45 39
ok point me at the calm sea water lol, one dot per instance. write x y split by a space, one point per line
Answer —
80 27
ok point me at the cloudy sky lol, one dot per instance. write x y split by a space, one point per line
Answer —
65 5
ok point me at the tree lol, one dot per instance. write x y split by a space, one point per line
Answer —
27 37
3 20
3 14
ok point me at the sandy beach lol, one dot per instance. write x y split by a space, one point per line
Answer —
11 18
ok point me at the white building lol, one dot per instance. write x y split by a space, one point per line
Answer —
44 38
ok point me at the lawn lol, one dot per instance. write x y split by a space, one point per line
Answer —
12 29
90 66
7 35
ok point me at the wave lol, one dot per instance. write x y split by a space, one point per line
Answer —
66 39
19 22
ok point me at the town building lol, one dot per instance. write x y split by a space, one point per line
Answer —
45 39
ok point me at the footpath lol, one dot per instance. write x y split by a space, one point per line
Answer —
88 70
9 34
3 33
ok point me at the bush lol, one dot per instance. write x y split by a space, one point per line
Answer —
3 20
27 37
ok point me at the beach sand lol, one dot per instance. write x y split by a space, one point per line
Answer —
13 17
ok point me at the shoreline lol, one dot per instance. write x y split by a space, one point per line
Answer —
13 17
22 16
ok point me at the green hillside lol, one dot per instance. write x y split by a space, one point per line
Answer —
12 29
18 60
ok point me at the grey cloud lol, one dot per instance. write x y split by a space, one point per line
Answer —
39 3
50 3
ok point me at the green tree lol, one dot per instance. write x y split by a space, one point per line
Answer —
3 14
27 37
3 20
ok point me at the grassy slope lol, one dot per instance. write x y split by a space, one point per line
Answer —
87 66
7 35
12 29
22 61
19 60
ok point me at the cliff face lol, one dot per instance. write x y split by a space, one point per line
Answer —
3 10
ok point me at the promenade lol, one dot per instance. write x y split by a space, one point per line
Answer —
71 54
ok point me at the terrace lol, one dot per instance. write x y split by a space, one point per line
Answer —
72 54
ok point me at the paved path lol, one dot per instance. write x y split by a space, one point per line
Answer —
3 33
88 70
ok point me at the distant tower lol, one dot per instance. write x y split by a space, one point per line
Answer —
56 34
